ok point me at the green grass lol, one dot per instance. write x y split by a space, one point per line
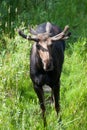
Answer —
19 104
19 107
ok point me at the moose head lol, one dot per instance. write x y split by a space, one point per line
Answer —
44 42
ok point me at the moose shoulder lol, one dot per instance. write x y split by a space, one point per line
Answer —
46 60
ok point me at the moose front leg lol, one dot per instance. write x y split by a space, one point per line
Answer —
40 94
56 93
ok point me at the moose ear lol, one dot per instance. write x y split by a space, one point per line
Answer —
32 31
48 27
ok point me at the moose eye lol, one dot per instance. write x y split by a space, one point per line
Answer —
51 45
38 46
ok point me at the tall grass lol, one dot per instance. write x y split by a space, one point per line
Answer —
19 108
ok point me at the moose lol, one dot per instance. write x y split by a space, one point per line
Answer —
46 60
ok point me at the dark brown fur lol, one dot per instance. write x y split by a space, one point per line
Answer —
46 60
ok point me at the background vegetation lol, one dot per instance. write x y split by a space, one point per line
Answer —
19 108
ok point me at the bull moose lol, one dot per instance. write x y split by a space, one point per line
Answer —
46 60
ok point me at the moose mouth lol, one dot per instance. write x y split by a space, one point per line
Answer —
48 67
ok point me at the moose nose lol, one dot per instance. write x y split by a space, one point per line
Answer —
49 66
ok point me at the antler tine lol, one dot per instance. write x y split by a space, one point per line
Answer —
62 35
66 29
32 31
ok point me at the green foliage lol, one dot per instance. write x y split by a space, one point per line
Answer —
19 107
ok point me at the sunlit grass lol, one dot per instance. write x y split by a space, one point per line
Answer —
19 107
